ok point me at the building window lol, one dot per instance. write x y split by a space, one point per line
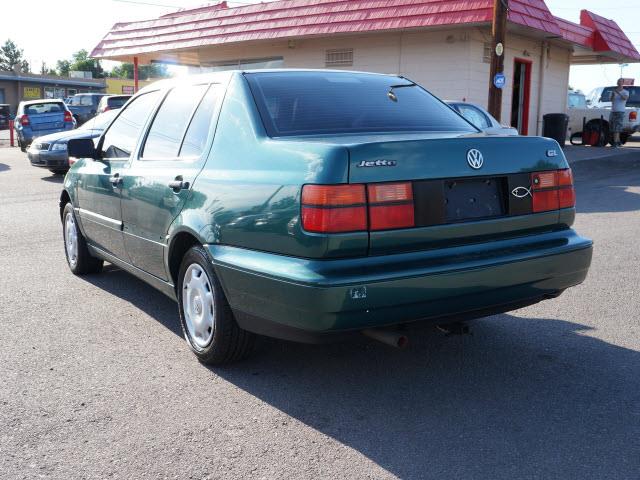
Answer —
342 57
53 92
71 92
243 64
1 95
486 53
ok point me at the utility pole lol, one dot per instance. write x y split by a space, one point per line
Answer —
496 77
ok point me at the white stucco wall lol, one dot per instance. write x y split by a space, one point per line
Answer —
448 62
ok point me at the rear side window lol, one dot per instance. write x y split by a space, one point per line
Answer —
116 102
171 121
121 138
307 103
474 115
200 126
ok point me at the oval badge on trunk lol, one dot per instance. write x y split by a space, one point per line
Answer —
475 158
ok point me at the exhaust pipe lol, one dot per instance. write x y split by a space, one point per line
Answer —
393 339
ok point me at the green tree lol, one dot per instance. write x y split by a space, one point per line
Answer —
63 67
11 55
82 63
155 70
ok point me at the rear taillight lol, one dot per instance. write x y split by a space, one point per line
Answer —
106 109
334 208
67 116
24 120
552 190
390 206
633 116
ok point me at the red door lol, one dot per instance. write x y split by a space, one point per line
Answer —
521 95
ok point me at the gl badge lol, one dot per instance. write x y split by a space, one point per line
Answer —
475 158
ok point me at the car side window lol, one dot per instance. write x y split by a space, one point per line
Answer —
474 115
121 138
198 131
86 101
170 123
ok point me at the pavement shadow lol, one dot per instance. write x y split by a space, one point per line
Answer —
54 178
522 398
4 167
608 185
143 296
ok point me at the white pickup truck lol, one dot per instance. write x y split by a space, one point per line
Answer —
597 106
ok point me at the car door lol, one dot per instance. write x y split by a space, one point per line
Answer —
159 180
100 180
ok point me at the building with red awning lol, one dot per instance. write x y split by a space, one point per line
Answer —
445 45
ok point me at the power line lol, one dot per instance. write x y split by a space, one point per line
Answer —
149 4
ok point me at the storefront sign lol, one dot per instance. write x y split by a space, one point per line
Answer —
31 92
127 89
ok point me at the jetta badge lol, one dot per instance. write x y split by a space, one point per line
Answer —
475 158
377 163
521 192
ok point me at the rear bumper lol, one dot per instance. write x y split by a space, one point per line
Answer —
281 296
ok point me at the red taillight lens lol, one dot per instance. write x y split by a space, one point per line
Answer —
24 120
633 116
334 208
544 180
552 190
67 116
391 206
334 220
333 195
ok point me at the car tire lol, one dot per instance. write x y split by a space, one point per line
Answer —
78 257
59 171
207 321
22 146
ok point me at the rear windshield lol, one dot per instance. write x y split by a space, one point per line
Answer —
634 95
117 102
311 103
85 100
39 108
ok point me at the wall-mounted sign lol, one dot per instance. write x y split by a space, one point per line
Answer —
127 89
499 49
499 80
31 92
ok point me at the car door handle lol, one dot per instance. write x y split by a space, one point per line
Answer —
115 180
178 184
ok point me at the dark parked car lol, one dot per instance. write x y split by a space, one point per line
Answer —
310 205
5 116
36 118
50 151
112 102
84 106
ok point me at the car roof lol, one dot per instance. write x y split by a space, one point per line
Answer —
44 100
90 93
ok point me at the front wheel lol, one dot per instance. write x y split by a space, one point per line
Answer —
206 318
75 246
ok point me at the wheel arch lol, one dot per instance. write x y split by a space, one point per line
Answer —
179 245
64 199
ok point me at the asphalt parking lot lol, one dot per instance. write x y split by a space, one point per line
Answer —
96 381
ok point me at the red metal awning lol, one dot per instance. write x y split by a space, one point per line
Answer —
285 19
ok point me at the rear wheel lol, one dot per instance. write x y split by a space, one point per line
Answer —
22 146
206 318
75 246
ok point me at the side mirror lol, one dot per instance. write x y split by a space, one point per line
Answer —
82 148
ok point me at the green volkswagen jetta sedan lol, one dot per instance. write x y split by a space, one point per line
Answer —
308 205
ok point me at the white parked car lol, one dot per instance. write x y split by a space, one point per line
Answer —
481 118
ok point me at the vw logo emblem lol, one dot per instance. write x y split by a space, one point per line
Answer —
475 158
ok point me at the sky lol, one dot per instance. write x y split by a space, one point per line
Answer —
58 28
